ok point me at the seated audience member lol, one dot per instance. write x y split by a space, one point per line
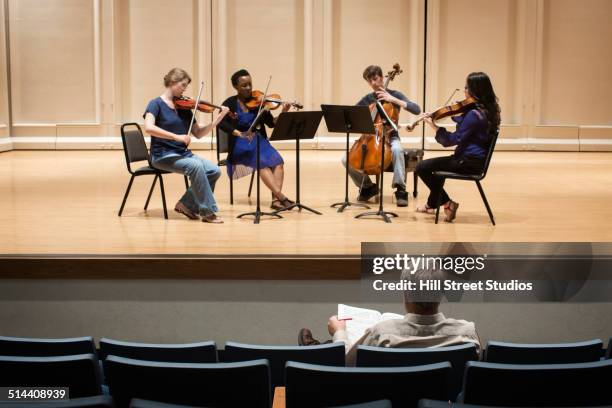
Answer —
422 326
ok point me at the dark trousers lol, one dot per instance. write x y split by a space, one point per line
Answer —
425 169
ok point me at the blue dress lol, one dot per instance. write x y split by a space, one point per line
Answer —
244 153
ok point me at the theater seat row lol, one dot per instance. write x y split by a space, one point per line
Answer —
276 357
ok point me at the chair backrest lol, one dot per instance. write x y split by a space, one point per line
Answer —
203 352
34 347
427 403
80 373
372 404
324 354
223 142
489 154
538 385
560 353
457 356
217 384
134 145
309 385
99 401
141 403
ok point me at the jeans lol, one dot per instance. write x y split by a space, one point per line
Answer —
202 174
425 169
399 169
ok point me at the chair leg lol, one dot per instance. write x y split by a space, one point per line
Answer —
415 191
251 185
377 198
125 196
186 183
150 192
438 207
163 194
486 203
231 190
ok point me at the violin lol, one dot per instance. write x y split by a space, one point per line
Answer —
183 102
365 155
273 101
454 109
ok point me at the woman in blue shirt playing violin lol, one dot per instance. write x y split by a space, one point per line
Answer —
472 138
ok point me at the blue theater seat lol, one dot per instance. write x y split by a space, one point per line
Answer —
457 356
324 354
559 353
245 384
35 347
80 373
538 385
203 352
309 385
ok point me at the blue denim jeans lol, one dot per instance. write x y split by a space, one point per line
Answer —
399 168
202 175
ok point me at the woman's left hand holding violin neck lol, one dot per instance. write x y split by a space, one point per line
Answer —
286 106
427 118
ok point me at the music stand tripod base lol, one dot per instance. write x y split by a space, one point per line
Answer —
300 207
380 213
258 214
346 203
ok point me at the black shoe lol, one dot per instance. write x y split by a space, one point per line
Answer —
401 198
305 338
367 193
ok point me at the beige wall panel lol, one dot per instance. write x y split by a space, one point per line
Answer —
576 63
52 61
4 114
474 35
153 36
364 34
264 37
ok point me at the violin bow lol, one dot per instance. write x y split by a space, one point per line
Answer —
195 107
263 100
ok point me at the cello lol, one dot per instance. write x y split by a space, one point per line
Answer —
365 155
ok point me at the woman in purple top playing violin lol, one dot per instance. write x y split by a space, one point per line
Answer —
473 136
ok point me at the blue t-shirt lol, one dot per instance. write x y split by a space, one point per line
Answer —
171 120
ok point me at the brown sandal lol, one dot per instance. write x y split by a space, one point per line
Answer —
287 202
450 209
426 209
277 205
182 209
212 219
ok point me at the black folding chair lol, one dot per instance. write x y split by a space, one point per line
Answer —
135 150
472 177
224 146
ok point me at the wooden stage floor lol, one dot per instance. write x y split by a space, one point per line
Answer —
66 202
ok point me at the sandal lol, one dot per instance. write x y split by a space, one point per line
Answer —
182 209
287 202
450 209
277 205
212 219
425 209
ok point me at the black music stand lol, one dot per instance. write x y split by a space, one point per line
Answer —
298 126
257 214
381 212
348 119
